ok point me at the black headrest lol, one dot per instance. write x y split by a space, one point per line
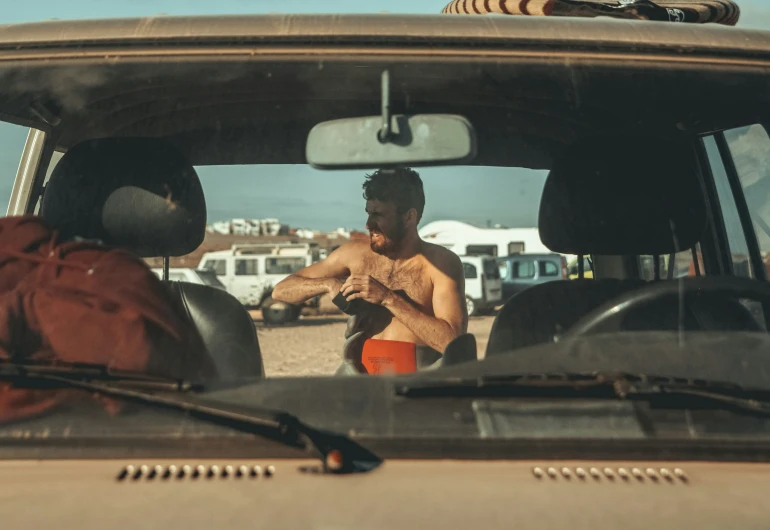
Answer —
139 194
623 195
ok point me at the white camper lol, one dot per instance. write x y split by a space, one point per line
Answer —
466 239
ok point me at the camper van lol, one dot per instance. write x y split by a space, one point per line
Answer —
250 271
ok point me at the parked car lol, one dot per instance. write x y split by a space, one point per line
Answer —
520 271
200 276
483 288
588 269
249 273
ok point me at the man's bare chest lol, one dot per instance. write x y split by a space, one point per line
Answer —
411 279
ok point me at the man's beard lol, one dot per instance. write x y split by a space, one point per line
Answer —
389 242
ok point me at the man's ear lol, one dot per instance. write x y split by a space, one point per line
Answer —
410 217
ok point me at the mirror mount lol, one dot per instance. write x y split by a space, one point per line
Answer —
385 134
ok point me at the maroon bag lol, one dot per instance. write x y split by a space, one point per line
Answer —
83 302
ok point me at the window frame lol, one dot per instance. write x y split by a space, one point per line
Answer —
244 259
744 215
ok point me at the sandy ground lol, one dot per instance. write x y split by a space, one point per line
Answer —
313 345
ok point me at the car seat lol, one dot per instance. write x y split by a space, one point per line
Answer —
618 195
142 195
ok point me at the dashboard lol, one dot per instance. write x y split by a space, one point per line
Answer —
401 494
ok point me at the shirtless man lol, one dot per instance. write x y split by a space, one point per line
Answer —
418 287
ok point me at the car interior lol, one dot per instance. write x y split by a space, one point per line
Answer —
627 176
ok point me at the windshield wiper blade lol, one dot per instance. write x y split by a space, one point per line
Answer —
620 385
38 372
338 453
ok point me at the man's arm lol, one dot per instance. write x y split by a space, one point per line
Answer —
449 306
319 278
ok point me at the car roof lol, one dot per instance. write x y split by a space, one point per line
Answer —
547 81
383 28
524 255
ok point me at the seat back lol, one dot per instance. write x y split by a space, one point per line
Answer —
543 312
619 195
142 195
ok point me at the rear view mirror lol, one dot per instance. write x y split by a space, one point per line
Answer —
420 140
391 140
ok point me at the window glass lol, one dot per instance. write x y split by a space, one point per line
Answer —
219 266
490 269
12 138
750 149
470 271
503 268
481 250
284 265
736 239
524 269
176 277
548 268
246 267
683 265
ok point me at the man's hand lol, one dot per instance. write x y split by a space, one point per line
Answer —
366 288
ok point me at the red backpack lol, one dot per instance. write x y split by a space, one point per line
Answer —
83 302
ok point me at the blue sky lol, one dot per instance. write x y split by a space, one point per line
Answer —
298 195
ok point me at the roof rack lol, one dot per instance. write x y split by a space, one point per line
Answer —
274 249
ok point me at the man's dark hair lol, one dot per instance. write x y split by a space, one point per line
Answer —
401 186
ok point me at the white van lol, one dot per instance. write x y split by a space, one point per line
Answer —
249 273
483 286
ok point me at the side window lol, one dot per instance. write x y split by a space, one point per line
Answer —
524 269
736 239
503 267
12 138
750 150
246 267
682 265
481 250
284 265
217 265
490 269
470 271
548 268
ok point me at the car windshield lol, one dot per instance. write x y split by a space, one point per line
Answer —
273 216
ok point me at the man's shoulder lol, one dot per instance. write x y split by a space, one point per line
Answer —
442 258
354 250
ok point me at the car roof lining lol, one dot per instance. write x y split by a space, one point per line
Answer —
260 111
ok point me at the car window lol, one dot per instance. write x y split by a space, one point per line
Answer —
470 271
736 238
502 266
750 149
284 265
481 250
219 266
246 267
524 269
548 268
491 270
12 138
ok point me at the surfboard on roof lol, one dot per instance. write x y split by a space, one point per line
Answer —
724 12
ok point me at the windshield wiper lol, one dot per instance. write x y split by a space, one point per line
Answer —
619 385
338 453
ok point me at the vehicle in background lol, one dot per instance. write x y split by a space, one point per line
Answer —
520 271
202 277
465 239
588 269
483 288
249 273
